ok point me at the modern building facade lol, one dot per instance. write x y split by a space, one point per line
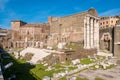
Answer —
107 22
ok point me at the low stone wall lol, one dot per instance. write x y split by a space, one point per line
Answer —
77 54
69 55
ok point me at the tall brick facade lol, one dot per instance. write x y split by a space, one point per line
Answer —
81 27
5 38
25 35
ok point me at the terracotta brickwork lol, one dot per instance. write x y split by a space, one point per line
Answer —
79 27
25 35
5 38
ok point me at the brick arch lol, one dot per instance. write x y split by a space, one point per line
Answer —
106 35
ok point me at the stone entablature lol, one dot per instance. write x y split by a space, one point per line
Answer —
91 32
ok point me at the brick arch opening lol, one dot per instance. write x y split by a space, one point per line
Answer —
106 37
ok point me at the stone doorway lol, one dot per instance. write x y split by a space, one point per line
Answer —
106 42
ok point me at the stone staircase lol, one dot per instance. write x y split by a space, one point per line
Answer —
38 54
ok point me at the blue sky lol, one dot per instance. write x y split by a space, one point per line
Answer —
37 11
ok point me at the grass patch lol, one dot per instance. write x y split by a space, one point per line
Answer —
63 78
86 61
73 47
19 68
78 78
111 66
39 71
58 66
97 78
55 47
67 63
72 68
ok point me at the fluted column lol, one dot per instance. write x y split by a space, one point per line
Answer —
88 33
94 40
92 33
97 32
85 27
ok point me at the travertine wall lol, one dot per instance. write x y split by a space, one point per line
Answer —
117 41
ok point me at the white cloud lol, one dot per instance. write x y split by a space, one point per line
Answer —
2 4
111 12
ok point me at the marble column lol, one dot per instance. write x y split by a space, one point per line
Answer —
96 34
91 24
88 33
85 27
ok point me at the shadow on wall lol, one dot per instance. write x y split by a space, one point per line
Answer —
18 71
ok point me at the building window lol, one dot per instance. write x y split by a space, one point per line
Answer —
103 22
111 21
106 25
106 22
19 37
27 32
